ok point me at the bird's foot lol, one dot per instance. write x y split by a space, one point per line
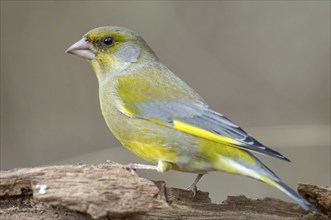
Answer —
193 188
133 167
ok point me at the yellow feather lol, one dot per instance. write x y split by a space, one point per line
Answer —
196 131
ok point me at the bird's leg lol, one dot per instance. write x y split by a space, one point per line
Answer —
137 166
162 166
193 187
132 167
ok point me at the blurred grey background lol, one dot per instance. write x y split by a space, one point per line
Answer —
264 64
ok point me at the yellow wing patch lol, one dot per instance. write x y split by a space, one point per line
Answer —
196 131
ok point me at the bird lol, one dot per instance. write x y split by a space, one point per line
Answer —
160 118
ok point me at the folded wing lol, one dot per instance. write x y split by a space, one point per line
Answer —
199 120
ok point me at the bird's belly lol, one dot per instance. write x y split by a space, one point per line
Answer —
153 142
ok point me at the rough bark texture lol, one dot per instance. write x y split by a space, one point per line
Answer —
108 191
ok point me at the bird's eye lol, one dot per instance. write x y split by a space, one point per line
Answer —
108 41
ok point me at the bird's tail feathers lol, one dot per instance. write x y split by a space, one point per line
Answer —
291 193
260 172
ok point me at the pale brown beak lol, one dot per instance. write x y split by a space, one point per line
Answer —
84 49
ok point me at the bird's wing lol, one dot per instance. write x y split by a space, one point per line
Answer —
199 120
161 97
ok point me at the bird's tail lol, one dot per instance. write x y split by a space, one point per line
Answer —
290 192
272 179
253 167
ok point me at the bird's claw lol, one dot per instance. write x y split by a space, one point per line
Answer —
193 188
130 167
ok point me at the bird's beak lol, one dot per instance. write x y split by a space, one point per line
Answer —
83 49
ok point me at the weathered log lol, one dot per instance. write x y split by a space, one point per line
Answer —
110 191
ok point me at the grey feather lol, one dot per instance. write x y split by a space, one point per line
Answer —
200 115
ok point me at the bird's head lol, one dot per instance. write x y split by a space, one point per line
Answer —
111 48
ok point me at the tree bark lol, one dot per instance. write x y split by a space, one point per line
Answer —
109 191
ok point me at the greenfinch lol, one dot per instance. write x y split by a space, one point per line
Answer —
161 119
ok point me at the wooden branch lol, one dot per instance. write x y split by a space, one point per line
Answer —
109 191
319 196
